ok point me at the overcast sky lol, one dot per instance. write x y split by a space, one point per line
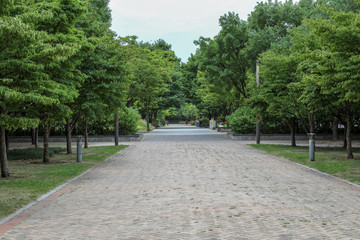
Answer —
178 22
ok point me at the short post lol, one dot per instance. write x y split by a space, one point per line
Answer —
311 147
79 150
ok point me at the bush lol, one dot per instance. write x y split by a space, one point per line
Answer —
243 120
142 126
32 153
128 121
205 121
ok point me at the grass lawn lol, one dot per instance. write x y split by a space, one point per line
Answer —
31 178
327 159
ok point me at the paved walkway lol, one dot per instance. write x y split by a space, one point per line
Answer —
196 184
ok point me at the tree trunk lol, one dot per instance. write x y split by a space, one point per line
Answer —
116 129
345 142
155 121
311 122
147 120
292 127
68 137
36 137
147 116
3 156
46 156
33 136
335 129
86 135
7 141
293 132
348 133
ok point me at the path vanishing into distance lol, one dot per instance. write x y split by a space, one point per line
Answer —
191 183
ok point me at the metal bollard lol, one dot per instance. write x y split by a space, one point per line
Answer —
312 147
79 150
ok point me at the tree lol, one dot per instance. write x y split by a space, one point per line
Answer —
150 75
215 99
189 111
278 72
341 5
270 23
188 80
223 58
61 68
103 90
105 86
330 62
21 71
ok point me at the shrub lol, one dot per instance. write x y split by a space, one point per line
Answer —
205 121
32 153
128 121
243 120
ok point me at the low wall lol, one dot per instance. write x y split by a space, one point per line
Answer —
236 136
122 138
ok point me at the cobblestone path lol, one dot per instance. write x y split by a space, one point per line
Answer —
196 184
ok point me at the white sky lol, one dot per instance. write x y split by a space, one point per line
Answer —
178 22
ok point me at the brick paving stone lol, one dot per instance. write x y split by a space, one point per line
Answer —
196 184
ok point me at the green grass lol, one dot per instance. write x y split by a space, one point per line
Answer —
327 159
31 178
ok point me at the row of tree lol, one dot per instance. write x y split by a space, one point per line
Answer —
60 64
308 55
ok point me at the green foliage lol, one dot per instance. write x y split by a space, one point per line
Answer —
329 63
270 22
189 81
205 121
189 112
222 59
279 100
174 95
20 74
150 75
106 83
128 121
96 22
243 120
341 5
